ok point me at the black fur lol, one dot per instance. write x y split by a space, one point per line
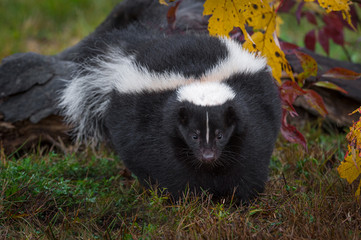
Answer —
162 140
144 130
190 55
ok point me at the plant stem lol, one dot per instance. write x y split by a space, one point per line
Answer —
346 53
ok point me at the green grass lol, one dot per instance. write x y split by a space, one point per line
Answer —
48 26
90 195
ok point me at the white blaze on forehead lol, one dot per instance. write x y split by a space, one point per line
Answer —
206 93
207 127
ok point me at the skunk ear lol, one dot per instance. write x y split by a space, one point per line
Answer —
183 115
230 116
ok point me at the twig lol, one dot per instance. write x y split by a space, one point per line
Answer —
285 181
346 52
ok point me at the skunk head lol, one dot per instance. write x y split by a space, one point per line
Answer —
207 119
206 131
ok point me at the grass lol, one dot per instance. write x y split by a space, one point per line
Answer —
90 195
48 26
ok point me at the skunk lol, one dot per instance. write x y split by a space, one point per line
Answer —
183 111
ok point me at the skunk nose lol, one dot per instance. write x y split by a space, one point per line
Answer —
208 155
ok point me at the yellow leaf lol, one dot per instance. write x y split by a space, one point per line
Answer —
357 193
357 133
279 22
225 16
357 110
354 136
258 14
350 168
264 43
336 5
163 2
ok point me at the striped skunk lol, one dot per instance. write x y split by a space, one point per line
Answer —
180 110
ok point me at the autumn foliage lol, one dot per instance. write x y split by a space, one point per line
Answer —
350 168
256 24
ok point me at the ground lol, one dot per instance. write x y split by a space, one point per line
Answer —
89 194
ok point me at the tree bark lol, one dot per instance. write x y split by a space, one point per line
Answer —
30 83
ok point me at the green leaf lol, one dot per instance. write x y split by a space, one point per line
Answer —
308 64
330 85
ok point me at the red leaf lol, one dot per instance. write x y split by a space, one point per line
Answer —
290 109
342 73
311 18
354 18
339 38
310 40
171 15
316 102
323 40
330 85
299 11
289 91
286 6
334 21
335 35
292 89
334 28
290 133
286 46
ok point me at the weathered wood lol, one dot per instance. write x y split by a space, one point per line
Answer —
30 86
25 134
30 83
338 104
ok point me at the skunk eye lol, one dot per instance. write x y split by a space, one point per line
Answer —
195 135
219 136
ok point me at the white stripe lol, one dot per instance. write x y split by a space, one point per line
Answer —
124 74
207 125
205 93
